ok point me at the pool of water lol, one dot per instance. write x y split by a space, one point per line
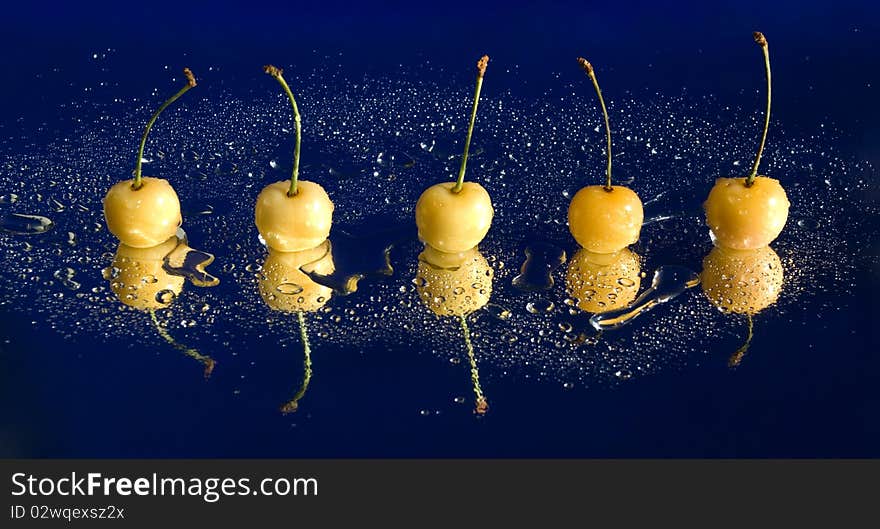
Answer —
214 369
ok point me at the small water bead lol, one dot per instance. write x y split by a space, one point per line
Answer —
498 311
574 338
65 277
109 273
226 168
540 306
190 156
165 296
808 223
289 289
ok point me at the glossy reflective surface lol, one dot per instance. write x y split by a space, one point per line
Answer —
86 375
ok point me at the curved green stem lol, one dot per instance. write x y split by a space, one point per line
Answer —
190 82
738 355
293 403
481 404
297 123
481 70
592 74
759 38
206 361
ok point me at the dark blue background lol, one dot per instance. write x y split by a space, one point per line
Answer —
826 67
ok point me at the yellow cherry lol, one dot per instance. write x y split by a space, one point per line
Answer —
604 219
455 216
742 281
748 213
293 215
746 217
293 223
138 279
144 217
285 287
602 282
457 290
143 212
454 222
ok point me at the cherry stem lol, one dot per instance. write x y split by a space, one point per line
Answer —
762 42
293 404
738 355
297 123
205 360
481 404
481 71
190 82
589 69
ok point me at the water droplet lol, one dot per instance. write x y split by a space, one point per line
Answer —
540 306
65 277
25 224
623 374
226 168
808 223
109 273
668 283
499 312
190 263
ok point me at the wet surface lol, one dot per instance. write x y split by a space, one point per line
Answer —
382 363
